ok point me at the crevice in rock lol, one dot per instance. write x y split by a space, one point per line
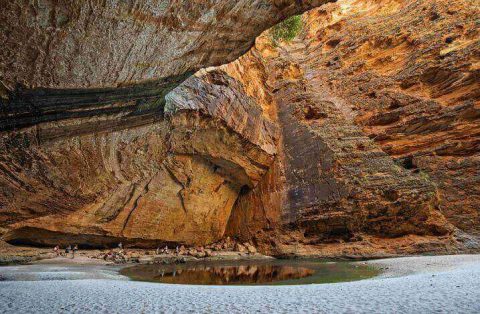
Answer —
135 204
179 194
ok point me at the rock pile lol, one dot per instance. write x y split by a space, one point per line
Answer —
116 257
223 247
229 244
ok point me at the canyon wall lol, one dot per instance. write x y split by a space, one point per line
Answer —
88 151
378 106
410 73
170 180
360 137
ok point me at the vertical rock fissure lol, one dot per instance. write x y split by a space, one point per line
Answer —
179 193
135 204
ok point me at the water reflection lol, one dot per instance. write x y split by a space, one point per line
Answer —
278 272
224 275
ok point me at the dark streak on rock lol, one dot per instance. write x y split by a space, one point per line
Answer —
135 204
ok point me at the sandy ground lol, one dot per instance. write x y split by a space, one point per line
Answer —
440 284
78 260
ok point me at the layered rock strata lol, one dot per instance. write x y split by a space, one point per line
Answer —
330 181
151 179
358 138
64 60
364 157
88 154
410 73
137 177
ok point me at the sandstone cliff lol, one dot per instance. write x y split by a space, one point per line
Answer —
360 137
378 109
88 153
65 60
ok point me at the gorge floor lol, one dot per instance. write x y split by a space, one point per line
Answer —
424 284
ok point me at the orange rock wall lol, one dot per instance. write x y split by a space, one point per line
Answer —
358 138
377 104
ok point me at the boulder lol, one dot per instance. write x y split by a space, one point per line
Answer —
251 249
240 248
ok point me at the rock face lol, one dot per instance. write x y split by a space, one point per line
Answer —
173 181
359 137
145 179
410 73
378 110
88 153
65 60
84 44
330 181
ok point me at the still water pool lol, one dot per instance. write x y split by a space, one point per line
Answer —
275 272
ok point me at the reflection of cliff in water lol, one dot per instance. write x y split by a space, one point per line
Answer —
221 275
283 272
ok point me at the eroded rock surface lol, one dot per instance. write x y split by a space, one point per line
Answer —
363 155
151 182
65 44
410 73
358 138
62 59
88 153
